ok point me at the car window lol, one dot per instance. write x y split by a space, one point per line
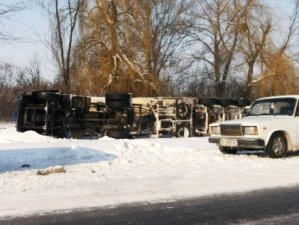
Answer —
280 106
297 110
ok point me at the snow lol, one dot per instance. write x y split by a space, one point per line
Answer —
107 172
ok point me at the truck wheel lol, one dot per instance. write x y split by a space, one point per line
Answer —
277 146
118 134
225 102
118 101
182 131
44 96
242 102
118 104
118 97
183 111
78 102
228 150
208 101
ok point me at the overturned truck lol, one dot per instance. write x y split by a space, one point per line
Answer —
64 115
121 116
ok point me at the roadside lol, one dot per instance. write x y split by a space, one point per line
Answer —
270 206
108 172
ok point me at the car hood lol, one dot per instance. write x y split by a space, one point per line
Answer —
254 120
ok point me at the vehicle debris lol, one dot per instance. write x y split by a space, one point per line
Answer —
50 171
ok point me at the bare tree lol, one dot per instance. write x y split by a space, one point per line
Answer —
7 96
6 10
292 28
127 45
29 78
254 36
279 75
64 20
216 30
7 71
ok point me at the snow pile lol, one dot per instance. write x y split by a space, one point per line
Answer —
8 134
107 172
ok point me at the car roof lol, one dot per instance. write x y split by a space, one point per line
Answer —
280 96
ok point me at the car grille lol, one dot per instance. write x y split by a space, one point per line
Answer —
231 130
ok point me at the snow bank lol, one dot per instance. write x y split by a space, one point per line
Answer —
108 172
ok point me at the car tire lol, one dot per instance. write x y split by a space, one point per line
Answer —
277 146
228 150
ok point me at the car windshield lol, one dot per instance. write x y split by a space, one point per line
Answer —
280 106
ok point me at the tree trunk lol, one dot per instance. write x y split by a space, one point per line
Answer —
249 80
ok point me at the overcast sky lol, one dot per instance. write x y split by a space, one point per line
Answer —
31 28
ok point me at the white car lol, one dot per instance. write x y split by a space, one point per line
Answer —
272 125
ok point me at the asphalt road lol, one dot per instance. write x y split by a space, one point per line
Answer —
275 206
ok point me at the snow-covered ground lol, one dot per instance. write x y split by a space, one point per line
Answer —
107 172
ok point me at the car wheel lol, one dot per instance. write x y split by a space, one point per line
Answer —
228 150
277 146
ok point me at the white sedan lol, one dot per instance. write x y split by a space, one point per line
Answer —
272 125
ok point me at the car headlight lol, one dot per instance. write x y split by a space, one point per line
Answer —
250 130
215 129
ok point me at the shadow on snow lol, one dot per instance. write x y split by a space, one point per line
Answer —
40 158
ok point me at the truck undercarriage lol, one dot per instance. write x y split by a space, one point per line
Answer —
121 116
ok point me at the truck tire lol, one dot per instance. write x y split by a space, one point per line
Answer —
208 101
118 101
242 102
78 102
118 134
183 131
118 97
118 104
277 146
183 111
225 102
44 96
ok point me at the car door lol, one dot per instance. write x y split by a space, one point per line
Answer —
296 118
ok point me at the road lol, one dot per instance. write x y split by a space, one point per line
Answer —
275 206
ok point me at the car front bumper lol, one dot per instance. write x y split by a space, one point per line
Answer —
247 143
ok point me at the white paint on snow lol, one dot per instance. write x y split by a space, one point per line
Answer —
108 172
